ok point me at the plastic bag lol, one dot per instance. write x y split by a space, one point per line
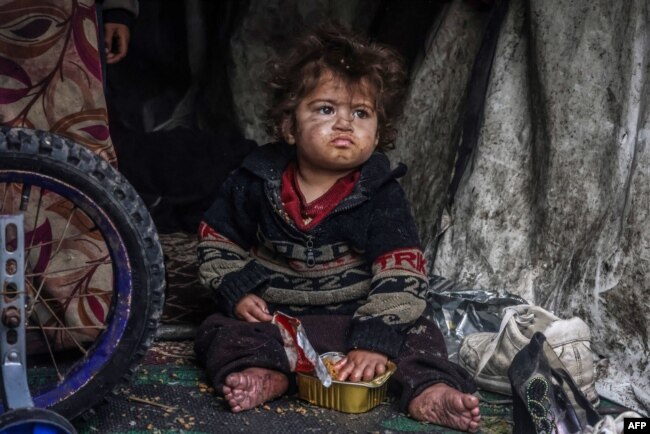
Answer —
460 311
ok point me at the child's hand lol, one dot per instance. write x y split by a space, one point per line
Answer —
361 365
252 308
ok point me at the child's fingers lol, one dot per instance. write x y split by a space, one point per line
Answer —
359 370
356 372
344 367
249 317
254 314
261 304
369 372
261 316
350 368
262 310
362 371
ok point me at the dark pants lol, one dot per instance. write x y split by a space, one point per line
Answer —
225 345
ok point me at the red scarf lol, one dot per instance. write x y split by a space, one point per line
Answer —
308 215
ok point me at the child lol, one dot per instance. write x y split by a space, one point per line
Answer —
316 226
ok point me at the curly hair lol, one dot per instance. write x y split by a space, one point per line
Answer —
355 60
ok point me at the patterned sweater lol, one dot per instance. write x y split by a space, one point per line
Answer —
363 259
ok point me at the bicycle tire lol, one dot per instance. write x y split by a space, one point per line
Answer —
49 164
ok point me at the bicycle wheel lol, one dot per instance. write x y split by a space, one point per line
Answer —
94 271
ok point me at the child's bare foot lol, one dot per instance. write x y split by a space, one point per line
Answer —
253 386
444 405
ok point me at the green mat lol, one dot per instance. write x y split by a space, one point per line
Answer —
169 394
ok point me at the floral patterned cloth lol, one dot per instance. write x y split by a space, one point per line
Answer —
50 71
51 79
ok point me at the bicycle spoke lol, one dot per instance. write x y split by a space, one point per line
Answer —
4 197
24 197
63 270
73 297
56 251
83 327
49 348
56 318
36 215
79 236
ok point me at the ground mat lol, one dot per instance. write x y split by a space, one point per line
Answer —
169 391
169 394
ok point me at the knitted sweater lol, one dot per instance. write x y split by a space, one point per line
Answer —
363 259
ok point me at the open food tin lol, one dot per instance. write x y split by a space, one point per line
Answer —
345 396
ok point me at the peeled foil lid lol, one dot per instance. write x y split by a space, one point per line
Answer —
301 354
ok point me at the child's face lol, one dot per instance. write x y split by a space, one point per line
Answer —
335 127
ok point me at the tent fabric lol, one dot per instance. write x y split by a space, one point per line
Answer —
554 203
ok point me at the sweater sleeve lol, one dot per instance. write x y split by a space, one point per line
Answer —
120 11
131 6
226 235
399 279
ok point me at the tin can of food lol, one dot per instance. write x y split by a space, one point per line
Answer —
344 396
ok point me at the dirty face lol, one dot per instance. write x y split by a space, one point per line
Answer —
335 127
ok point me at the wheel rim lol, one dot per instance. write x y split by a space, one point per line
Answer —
35 421
106 310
